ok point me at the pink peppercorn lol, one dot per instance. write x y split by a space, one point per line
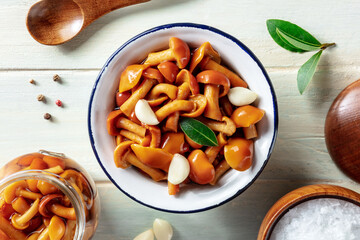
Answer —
58 102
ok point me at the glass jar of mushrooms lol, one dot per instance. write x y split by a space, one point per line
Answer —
45 195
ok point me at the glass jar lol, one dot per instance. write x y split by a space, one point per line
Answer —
46 195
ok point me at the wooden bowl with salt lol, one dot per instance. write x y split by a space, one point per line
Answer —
301 195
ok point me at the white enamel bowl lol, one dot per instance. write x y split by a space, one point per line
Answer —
192 198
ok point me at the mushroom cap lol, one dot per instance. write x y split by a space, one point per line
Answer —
16 225
247 115
201 170
153 73
44 201
200 103
215 78
131 76
9 193
169 70
238 153
205 50
230 127
181 51
110 122
56 228
153 157
186 76
120 153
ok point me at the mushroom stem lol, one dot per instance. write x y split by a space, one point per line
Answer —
183 93
145 141
56 228
129 105
172 122
7 228
70 230
44 235
28 215
156 58
155 174
226 126
174 106
235 80
220 169
44 201
119 154
250 132
226 106
178 51
212 152
27 194
163 88
212 109
68 213
20 205
127 124
155 133
34 236
56 170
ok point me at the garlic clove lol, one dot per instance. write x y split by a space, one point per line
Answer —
147 235
144 113
162 229
179 169
240 96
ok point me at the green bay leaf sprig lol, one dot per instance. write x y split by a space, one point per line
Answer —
295 39
198 132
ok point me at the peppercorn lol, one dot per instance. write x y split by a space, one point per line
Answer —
40 97
56 78
58 102
47 116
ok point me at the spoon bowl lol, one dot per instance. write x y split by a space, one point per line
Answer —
53 22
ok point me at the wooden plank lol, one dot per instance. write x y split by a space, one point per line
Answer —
329 22
23 128
122 218
300 151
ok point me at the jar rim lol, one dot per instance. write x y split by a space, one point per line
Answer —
61 184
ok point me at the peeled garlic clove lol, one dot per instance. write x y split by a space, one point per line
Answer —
162 229
147 235
144 113
240 96
179 169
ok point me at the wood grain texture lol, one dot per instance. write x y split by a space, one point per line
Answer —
299 195
300 156
342 130
122 218
54 23
329 21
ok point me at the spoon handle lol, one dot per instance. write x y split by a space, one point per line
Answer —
93 9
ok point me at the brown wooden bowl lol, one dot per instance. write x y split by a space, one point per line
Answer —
342 131
301 195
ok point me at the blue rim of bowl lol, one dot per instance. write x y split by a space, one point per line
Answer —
203 27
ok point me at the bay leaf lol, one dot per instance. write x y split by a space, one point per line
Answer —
296 42
289 29
198 132
307 71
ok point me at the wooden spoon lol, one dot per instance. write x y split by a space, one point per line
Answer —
342 131
54 22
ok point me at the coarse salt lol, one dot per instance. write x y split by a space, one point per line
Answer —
320 219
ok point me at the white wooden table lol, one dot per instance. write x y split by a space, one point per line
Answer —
300 156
